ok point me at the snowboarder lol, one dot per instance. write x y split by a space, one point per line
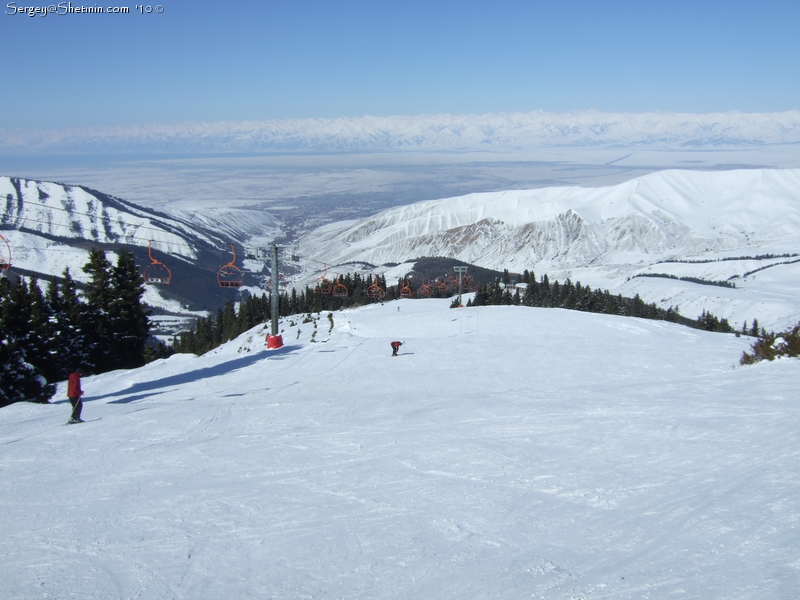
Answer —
396 347
74 393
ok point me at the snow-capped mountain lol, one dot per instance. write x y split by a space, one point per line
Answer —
70 213
50 226
601 236
442 132
665 214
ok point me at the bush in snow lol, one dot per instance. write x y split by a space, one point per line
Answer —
770 346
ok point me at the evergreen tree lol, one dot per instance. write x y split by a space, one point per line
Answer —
98 294
19 379
127 316
69 320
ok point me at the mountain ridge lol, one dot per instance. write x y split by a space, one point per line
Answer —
444 132
599 236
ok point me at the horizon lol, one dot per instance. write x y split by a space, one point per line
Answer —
265 103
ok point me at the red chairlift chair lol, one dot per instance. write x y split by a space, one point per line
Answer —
405 290
339 290
323 285
375 291
230 276
156 272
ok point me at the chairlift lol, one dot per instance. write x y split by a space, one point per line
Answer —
375 291
230 276
405 290
156 273
323 285
339 290
5 254
425 290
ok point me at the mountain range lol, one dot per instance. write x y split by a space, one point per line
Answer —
440 132
602 236
664 236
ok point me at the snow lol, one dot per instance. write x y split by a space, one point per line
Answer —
508 452
601 236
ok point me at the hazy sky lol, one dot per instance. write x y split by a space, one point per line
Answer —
259 60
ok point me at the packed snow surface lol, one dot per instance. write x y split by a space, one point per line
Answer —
508 452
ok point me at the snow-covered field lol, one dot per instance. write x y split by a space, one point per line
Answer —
509 452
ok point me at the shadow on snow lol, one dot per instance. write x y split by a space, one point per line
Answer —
138 390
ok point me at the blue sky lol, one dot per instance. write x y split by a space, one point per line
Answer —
214 61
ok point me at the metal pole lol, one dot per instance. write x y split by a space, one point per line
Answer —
460 271
275 296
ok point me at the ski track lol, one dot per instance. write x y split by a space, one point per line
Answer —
509 453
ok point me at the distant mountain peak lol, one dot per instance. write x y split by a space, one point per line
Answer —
670 212
438 132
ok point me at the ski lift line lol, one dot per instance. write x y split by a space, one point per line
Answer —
322 263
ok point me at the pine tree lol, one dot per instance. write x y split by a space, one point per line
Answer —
98 294
42 344
19 379
69 316
128 322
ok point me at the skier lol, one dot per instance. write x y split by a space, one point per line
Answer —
74 393
396 347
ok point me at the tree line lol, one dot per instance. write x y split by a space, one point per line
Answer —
44 336
574 296
229 321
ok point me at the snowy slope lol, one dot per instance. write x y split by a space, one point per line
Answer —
599 236
46 214
51 226
507 453
71 212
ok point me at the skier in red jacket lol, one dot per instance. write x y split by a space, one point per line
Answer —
396 347
74 393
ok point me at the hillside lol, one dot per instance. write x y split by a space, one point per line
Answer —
508 452
51 226
602 236
740 227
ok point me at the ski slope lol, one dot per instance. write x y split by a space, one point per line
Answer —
508 452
